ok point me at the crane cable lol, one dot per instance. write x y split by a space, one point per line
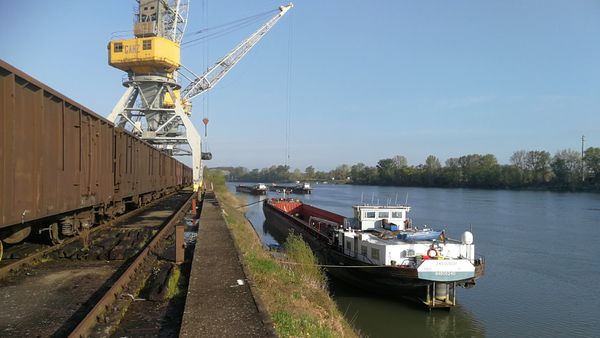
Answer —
206 96
224 29
288 91
253 17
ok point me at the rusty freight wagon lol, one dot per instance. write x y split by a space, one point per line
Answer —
63 167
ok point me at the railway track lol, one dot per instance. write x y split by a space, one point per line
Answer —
84 285
19 256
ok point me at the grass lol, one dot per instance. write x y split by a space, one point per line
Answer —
173 283
293 289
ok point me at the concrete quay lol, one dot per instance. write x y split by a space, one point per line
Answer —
219 301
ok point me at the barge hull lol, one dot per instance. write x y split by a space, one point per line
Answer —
385 280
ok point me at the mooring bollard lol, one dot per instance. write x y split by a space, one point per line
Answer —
179 244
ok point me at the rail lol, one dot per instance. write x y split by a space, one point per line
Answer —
36 257
92 318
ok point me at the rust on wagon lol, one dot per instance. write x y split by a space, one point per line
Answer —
64 167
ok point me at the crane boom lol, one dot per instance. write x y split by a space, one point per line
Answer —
216 72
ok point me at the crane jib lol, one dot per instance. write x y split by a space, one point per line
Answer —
215 73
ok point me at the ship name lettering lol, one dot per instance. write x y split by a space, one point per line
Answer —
445 273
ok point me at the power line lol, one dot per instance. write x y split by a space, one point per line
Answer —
288 92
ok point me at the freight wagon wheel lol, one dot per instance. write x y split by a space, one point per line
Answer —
54 234
18 236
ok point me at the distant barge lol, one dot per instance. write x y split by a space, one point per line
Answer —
379 250
257 189
303 188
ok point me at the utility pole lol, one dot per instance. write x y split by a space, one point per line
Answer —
582 162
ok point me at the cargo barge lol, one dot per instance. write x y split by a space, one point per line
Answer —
280 189
379 250
301 188
257 189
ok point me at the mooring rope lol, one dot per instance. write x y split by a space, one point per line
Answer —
335 266
242 206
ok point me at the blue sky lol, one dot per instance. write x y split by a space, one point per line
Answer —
369 79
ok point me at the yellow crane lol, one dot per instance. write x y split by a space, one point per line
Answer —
154 105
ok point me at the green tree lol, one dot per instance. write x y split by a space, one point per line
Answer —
357 172
430 172
591 159
407 175
296 175
341 172
253 175
432 163
510 176
310 172
371 175
538 163
386 170
451 175
566 166
400 161
519 161
479 170
535 166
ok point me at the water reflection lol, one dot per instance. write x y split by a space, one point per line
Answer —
274 232
378 316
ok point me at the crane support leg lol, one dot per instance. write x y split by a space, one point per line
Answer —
195 143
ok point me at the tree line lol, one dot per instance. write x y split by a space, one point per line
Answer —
565 170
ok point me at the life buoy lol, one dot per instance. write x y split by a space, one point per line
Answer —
432 253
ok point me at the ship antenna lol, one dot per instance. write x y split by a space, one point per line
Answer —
406 201
396 202
372 198
362 195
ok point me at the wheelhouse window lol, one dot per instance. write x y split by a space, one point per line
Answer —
375 253
147 44
118 47
396 214
370 214
363 250
383 215
349 245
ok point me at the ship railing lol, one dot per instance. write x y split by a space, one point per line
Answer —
367 258
320 221
478 260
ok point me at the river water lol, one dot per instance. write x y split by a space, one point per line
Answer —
542 277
